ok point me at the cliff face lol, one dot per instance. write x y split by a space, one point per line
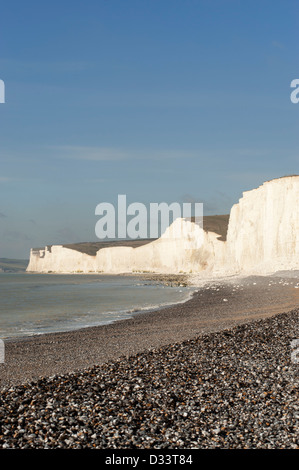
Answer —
193 252
263 230
61 260
262 237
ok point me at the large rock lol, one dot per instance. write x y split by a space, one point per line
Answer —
262 237
263 230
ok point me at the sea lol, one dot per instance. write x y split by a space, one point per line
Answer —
34 304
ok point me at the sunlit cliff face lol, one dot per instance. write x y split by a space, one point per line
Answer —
262 237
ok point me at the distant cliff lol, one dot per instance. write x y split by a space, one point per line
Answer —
164 255
262 236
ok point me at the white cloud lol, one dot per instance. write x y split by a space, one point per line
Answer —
89 153
4 179
110 153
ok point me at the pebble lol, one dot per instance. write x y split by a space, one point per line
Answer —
236 388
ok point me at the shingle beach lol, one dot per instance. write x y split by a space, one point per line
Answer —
216 372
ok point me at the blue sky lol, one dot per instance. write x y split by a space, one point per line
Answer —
169 100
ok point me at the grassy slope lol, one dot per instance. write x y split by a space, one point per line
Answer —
217 224
211 223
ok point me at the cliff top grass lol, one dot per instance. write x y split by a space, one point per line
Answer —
211 223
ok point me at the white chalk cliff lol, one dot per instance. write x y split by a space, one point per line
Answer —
262 237
263 230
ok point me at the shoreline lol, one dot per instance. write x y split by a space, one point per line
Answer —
168 280
232 389
131 314
217 305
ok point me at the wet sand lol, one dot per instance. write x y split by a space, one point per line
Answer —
216 306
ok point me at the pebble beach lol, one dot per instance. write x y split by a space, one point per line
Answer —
215 372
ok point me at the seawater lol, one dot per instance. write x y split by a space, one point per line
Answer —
32 304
